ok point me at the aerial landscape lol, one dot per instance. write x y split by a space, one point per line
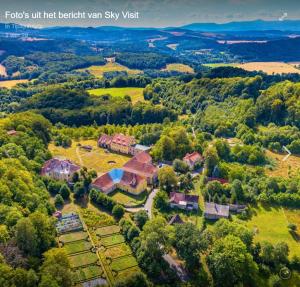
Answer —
162 151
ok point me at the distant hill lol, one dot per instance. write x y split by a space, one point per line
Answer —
257 25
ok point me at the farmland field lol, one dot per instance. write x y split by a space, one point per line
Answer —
283 168
74 236
180 68
117 251
108 230
77 246
112 240
96 159
98 71
129 200
270 67
11 83
216 65
83 259
136 94
271 224
123 263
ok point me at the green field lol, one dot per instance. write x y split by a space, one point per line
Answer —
127 199
83 259
271 224
112 240
74 236
216 65
136 94
108 230
180 68
77 246
87 273
123 263
118 251
98 71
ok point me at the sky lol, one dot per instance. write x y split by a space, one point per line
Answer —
151 13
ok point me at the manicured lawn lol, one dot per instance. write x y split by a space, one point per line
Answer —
180 68
108 230
109 67
74 236
97 159
11 83
77 246
123 263
128 199
118 251
136 94
271 224
83 259
112 240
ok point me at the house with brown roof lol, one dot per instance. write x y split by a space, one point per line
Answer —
122 144
183 201
215 211
104 141
119 178
12 133
191 159
141 164
59 169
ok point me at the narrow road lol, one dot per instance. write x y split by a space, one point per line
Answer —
181 273
147 206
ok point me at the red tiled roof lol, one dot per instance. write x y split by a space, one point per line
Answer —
131 179
11 132
176 197
143 157
193 157
58 164
104 182
121 139
104 139
143 169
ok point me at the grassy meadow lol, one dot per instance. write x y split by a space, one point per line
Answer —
180 68
136 94
11 83
98 71
270 67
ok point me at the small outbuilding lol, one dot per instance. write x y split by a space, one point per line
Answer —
215 211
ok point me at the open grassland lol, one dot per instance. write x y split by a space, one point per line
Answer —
11 83
83 259
3 71
97 159
74 236
112 239
180 68
77 246
129 200
98 71
283 168
123 263
271 224
270 67
108 230
136 94
117 251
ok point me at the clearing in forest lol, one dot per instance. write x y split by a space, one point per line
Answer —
136 94
182 68
11 83
270 67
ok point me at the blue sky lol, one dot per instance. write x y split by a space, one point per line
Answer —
155 13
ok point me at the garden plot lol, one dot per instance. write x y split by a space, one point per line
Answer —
74 236
112 240
123 263
78 246
68 222
87 273
117 251
108 230
83 259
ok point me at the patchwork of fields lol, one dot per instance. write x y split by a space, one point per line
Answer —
98 71
136 94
